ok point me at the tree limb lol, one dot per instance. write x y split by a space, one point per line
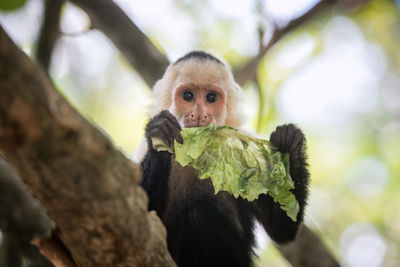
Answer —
307 251
109 18
21 217
249 71
9 252
49 32
54 250
87 186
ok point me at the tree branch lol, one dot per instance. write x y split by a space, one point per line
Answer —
87 186
21 217
249 71
49 32
109 18
308 251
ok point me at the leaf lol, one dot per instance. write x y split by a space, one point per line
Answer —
11 5
237 163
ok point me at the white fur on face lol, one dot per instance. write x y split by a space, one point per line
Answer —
199 71
163 92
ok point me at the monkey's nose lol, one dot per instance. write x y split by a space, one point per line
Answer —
198 117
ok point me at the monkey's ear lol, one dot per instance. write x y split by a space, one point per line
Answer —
235 117
163 92
160 93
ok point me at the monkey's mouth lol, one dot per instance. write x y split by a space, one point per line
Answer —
194 126
188 123
200 124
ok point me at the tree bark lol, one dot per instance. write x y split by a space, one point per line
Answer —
87 186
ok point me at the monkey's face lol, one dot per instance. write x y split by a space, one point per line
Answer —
199 104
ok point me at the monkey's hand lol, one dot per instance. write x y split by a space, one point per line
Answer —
281 228
165 127
289 139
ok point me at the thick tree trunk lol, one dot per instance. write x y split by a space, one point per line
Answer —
87 186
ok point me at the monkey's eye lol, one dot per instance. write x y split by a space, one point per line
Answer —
211 97
188 96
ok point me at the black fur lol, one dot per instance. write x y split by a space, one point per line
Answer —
198 55
205 229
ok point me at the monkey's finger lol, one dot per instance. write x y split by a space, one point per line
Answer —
161 124
168 132
298 141
291 129
168 115
175 125
157 132
179 138
276 138
284 138
174 131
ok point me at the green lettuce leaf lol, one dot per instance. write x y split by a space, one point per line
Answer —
237 163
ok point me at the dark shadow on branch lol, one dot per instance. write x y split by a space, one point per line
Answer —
21 217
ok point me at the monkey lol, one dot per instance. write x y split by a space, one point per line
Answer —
204 228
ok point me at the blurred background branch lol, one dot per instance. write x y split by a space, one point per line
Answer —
308 251
248 71
49 32
140 52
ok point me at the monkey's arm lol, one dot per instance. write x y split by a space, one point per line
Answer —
156 165
281 228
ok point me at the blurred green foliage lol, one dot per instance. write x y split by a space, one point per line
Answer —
346 192
10 5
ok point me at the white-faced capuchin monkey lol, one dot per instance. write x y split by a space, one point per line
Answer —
207 229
